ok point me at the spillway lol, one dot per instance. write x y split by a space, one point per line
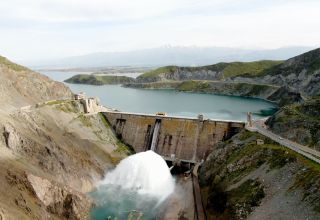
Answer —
140 182
155 135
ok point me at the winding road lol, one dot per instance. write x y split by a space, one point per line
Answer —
260 127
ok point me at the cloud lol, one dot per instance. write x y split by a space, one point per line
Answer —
56 28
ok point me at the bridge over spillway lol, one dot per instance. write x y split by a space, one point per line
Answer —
175 138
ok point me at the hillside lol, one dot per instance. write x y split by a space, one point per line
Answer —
298 78
20 86
51 153
217 71
99 79
301 73
244 180
299 122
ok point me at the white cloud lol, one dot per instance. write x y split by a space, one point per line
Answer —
58 28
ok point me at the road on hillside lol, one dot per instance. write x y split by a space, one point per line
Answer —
260 127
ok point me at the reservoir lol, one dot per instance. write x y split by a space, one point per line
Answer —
172 102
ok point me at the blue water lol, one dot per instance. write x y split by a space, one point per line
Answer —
117 202
172 102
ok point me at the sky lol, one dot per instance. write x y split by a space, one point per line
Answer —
50 29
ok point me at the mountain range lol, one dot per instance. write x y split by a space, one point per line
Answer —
161 56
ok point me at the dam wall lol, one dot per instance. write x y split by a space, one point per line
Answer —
176 138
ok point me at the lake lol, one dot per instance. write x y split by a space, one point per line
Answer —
172 102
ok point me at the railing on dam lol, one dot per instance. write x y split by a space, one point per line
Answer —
176 138
172 117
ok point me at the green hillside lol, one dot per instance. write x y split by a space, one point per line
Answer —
16 67
228 69
99 79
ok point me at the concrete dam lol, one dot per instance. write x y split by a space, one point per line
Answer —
174 138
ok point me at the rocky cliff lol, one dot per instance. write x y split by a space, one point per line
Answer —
212 72
244 180
280 95
51 153
301 73
298 76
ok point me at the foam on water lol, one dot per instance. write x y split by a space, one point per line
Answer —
145 172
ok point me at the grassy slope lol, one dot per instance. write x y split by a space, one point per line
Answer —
302 118
16 67
249 68
309 61
229 69
245 89
99 80
158 71
21 86
227 183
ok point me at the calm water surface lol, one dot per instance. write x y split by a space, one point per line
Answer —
172 102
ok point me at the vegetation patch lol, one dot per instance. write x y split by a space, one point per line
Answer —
99 79
85 120
158 71
280 157
65 105
299 117
248 69
237 159
4 61
123 148
315 65
104 120
245 197
200 86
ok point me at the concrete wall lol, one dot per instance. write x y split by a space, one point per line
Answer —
90 105
187 139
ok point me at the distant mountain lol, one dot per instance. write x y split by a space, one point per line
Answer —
182 56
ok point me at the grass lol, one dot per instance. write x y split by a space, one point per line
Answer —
158 71
315 65
247 194
244 158
85 120
247 69
104 120
302 116
4 61
194 86
247 89
65 105
123 148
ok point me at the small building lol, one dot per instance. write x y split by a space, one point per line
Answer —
260 142
80 96
91 105
200 117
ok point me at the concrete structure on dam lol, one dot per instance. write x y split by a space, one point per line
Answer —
175 138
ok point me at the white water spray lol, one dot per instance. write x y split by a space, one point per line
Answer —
145 172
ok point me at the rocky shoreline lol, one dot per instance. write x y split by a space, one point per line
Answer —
276 94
